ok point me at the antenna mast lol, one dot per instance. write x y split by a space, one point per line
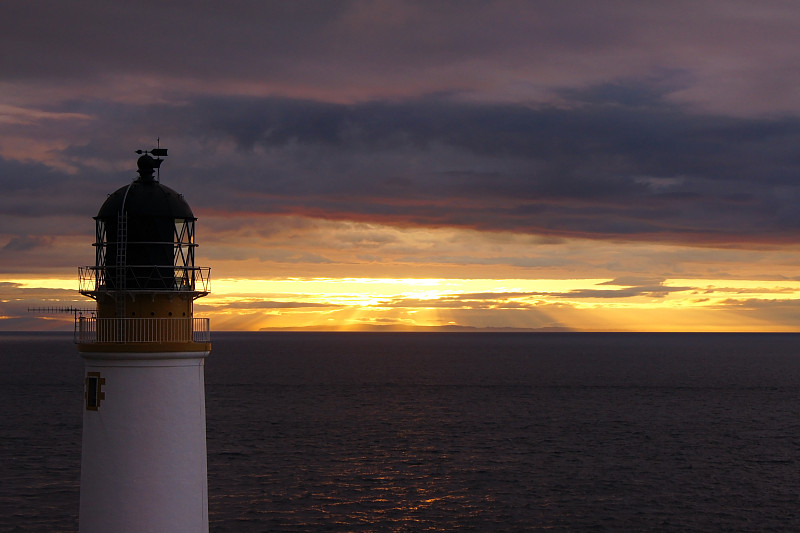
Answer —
158 168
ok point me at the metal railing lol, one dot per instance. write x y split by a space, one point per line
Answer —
147 277
90 330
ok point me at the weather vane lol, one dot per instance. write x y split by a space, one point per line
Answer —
158 153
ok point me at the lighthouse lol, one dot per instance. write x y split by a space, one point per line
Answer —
143 458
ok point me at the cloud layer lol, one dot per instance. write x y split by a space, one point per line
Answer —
447 139
600 169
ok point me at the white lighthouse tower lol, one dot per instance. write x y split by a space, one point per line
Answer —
143 462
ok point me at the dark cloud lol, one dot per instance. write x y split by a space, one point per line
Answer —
610 166
631 281
353 50
18 307
270 304
740 290
526 300
58 41
458 302
761 303
38 190
655 290
652 291
20 244
775 311
598 169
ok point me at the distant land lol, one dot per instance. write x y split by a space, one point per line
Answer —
430 329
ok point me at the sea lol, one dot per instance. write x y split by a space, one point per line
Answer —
448 431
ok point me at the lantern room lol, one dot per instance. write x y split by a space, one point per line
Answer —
144 251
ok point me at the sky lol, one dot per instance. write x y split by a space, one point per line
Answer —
568 165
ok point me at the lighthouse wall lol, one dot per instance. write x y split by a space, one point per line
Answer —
143 463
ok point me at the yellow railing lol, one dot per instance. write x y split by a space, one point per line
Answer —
90 330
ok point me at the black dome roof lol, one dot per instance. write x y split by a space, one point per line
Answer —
146 199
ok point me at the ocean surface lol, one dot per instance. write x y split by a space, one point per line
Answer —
438 432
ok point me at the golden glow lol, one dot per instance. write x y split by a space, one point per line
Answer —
579 304
43 283
292 272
